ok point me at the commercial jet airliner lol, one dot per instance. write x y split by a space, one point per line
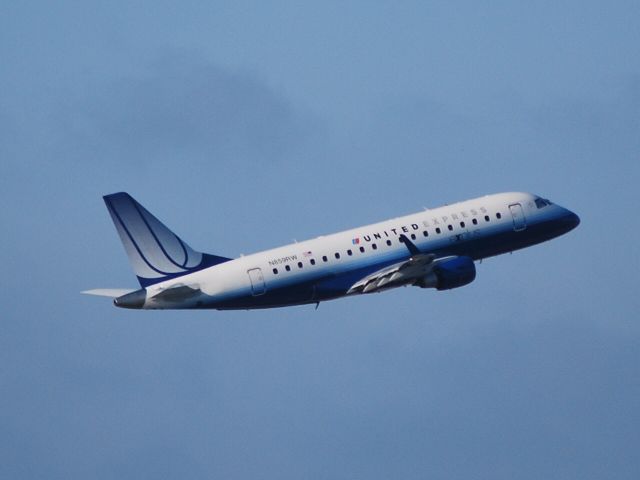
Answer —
435 248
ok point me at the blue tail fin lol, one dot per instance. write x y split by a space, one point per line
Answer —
155 252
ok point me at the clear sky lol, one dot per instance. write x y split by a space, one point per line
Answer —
244 125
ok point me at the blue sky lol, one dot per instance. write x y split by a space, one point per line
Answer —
244 125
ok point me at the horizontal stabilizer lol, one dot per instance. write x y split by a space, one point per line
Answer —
109 292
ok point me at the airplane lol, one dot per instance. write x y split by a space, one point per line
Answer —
435 248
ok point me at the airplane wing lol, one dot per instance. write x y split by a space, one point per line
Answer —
414 271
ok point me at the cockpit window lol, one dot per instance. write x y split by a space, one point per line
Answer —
542 202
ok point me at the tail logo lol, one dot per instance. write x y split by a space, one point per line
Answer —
153 249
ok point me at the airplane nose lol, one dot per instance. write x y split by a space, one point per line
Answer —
570 220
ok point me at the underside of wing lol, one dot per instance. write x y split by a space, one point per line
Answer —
408 272
422 270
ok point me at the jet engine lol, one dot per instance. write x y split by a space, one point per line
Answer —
447 274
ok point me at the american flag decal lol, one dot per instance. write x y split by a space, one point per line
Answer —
356 241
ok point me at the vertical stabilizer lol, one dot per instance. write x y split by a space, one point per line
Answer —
155 252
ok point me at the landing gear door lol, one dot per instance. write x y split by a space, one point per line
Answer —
519 220
257 282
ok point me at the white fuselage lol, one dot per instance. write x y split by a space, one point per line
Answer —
327 267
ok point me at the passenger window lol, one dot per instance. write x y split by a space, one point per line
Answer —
374 246
349 252
462 224
438 231
475 221
287 268
337 255
324 258
486 218
362 249
450 227
312 261
498 215
425 233
299 264
275 271
413 236
389 243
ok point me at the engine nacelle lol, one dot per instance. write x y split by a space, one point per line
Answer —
453 273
